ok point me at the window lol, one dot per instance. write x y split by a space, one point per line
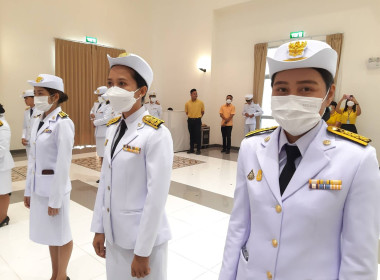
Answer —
267 119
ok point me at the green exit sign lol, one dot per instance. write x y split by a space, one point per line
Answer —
298 34
91 40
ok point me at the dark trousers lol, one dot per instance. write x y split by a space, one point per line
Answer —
194 126
226 135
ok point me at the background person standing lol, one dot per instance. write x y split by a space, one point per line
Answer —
227 112
195 110
251 111
153 106
30 115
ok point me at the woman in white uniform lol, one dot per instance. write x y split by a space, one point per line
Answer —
48 186
6 165
135 178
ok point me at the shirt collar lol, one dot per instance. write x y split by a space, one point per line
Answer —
53 113
132 118
302 143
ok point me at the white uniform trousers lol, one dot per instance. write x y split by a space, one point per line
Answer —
5 181
249 128
119 261
100 146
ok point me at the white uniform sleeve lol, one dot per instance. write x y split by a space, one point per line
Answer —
159 161
5 136
258 110
361 217
107 116
25 124
94 107
64 138
244 110
239 226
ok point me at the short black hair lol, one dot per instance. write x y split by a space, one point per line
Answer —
326 76
140 82
230 95
191 91
333 103
346 107
2 111
63 97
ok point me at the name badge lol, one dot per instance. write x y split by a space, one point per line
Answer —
325 184
47 131
131 149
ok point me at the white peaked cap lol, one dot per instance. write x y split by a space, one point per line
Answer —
48 81
101 90
27 93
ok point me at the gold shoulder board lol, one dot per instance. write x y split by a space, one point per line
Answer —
1 123
63 115
27 108
349 135
152 121
261 131
114 120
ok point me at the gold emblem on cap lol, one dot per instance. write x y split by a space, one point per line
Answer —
326 142
97 91
123 54
259 175
297 48
39 79
251 175
267 139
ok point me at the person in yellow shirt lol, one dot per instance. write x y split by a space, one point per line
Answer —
227 112
195 110
350 112
335 118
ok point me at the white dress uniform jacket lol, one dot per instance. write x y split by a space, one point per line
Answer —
154 109
103 115
28 124
51 150
252 109
134 185
6 160
311 234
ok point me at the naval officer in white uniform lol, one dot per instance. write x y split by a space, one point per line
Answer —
30 115
48 186
135 178
102 114
250 112
307 195
153 106
6 165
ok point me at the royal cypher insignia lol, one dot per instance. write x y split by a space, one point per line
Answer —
152 121
114 120
349 135
261 131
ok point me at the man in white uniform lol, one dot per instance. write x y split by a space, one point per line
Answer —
30 116
250 112
154 106
307 196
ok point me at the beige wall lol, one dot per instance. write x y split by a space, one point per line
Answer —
28 29
238 28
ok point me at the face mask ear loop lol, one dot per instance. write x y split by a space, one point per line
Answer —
328 91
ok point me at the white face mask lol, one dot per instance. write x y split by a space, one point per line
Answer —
350 103
42 103
153 99
296 114
228 101
121 100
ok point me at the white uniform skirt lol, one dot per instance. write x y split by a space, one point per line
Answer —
119 261
100 146
49 230
5 181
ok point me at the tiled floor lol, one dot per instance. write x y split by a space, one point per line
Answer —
198 207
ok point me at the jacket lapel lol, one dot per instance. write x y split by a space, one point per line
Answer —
129 135
314 160
267 156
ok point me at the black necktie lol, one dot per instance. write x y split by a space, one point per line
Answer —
31 112
40 125
292 153
123 128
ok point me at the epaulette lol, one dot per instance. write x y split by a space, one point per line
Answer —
114 120
1 123
63 115
261 131
152 121
349 135
27 108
